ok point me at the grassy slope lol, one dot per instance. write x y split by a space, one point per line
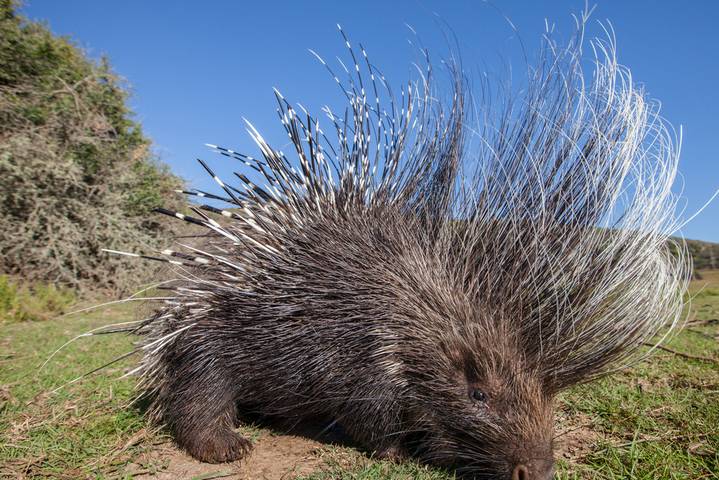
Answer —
659 420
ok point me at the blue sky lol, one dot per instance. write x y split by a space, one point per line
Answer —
197 68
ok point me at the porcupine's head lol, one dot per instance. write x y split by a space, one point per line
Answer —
542 251
478 403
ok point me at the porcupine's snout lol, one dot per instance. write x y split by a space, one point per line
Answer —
520 472
536 466
533 459
534 470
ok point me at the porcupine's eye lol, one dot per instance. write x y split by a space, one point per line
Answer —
478 395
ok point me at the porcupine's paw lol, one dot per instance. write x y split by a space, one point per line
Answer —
225 446
392 453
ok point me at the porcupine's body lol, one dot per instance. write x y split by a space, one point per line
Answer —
431 298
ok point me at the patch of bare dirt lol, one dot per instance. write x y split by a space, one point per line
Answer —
274 457
576 437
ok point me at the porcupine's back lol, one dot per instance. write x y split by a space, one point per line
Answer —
320 329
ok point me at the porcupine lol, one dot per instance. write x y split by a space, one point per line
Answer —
430 294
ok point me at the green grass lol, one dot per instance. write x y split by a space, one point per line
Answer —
661 418
20 303
657 420
83 428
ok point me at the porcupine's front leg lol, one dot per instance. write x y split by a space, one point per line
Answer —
379 428
201 412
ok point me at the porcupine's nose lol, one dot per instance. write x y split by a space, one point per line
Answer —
520 473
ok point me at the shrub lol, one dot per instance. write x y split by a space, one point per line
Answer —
76 172
20 303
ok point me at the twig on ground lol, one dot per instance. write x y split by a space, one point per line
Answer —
699 323
683 354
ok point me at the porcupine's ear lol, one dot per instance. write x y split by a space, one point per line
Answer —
454 357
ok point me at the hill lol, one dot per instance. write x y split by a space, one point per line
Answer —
705 255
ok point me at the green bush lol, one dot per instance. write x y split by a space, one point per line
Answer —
76 172
20 303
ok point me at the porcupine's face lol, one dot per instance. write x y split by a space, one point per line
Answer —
488 415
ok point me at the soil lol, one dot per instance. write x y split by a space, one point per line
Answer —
576 437
274 457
